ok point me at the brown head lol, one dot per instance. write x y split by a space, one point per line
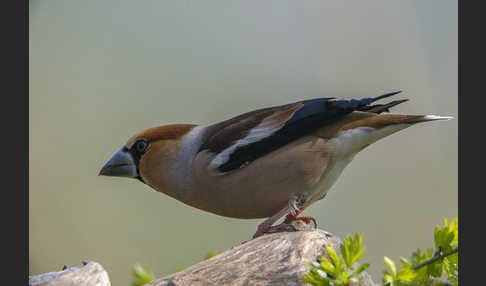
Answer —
146 152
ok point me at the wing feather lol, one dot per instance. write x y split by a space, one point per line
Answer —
243 139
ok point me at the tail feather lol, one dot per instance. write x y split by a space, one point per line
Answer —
364 103
369 100
386 95
361 133
382 120
437 117
379 108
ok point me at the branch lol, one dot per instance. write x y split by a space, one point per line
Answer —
437 256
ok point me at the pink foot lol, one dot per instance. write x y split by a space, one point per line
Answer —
262 228
266 226
306 219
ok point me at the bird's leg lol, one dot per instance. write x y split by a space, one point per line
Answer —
267 224
296 206
292 215
292 211
307 219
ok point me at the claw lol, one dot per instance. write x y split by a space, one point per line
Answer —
306 219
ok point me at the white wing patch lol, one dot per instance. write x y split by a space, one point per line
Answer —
263 130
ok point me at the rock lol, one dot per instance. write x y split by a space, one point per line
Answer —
88 274
273 259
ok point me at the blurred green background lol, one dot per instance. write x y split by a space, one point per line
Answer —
101 71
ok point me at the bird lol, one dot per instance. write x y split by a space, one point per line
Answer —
267 163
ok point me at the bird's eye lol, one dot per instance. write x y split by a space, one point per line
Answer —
141 146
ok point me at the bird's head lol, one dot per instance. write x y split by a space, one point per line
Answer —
146 153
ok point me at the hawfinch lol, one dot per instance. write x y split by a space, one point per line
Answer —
266 163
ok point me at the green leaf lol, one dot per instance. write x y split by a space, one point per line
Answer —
358 255
344 278
388 278
405 261
338 267
422 276
351 249
437 236
338 263
453 258
419 257
358 270
328 267
345 252
435 269
315 279
391 265
141 275
362 268
451 269
406 274
210 255
333 255
446 238
454 226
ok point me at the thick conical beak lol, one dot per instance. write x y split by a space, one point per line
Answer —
121 164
